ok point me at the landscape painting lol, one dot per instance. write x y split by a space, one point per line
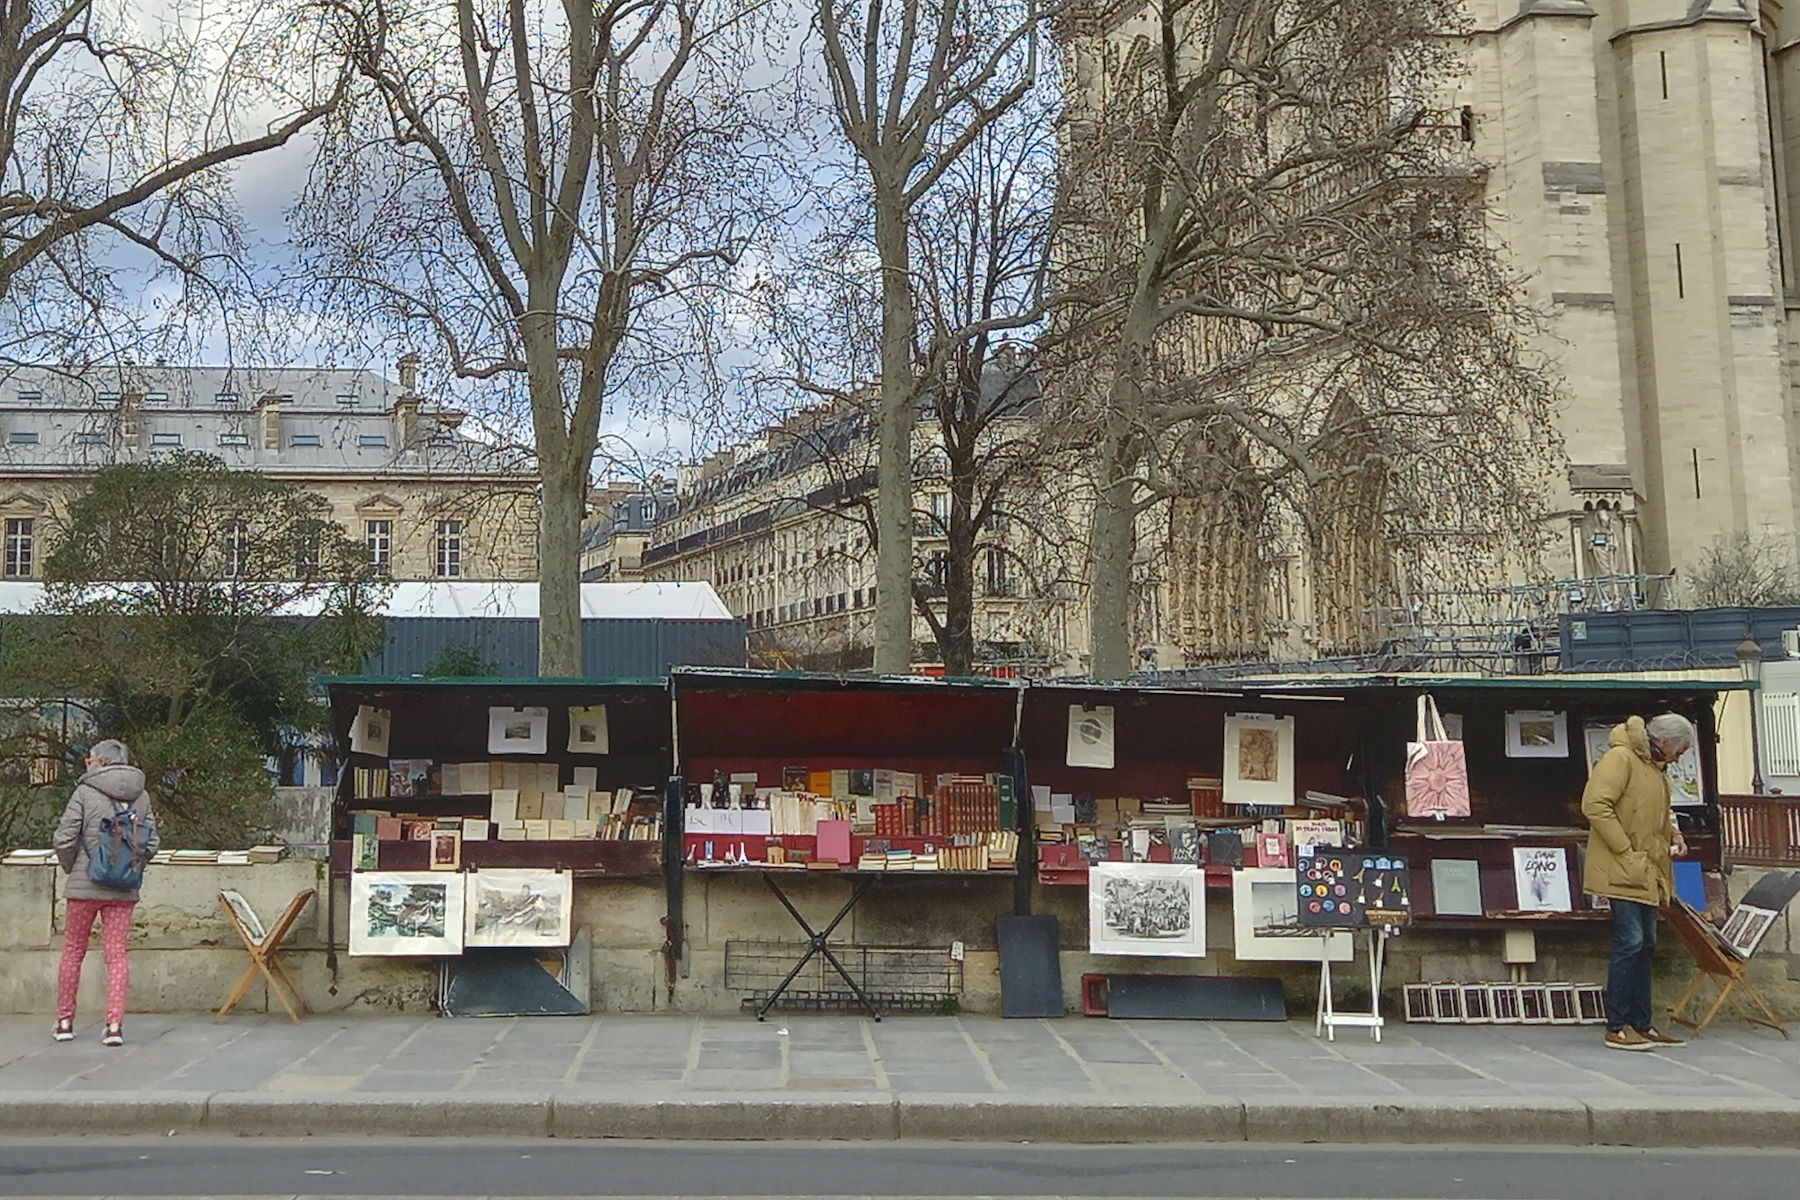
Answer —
406 912
519 908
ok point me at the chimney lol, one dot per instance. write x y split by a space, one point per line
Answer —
409 375
409 430
131 420
268 415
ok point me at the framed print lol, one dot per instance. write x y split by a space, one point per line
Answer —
369 731
1092 736
1265 919
406 912
519 908
587 730
1153 909
1537 733
518 730
1687 784
445 853
1259 759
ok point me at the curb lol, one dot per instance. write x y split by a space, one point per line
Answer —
1600 1122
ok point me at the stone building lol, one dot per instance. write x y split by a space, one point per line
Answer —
612 548
1635 162
429 501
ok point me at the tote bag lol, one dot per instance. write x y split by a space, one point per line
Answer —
1437 774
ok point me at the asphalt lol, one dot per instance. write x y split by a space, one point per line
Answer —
1076 1080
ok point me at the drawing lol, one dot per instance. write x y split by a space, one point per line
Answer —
1265 913
1091 736
518 730
519 908
1146 908
1537 733
1259 759
406 912
588 731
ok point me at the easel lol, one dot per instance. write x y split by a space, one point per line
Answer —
1726 970
1328 1017
264 948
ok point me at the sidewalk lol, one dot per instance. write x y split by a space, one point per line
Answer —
823 1077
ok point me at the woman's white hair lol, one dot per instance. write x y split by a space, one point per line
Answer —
1670 728
109 751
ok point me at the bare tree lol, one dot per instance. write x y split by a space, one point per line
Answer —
913 84
1745 569
1283 305
116 135
550 193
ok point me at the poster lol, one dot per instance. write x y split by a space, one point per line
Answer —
519 908
1687 785
1541 875
1346 889
1091 736
1537 733
518 730
587 730
406 912
1259 759
369 731
1154 909
1265 914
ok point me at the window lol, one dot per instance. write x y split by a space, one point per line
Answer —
22 437
156 397
19 536
108 397
226 399
940 512
165 439
449 549
999 573
237 549
347 400
30 396
90 438
309 558
304 439
379 537
234 439
372 441
859 594
997 520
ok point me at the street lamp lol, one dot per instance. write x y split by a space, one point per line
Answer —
1749 657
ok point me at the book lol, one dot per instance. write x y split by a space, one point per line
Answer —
503 808
475 829
410 777
475 778
1456 887
389 829
269 853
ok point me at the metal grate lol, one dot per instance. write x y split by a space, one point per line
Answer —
897 978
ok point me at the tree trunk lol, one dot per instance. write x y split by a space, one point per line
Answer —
958 638
894 501
559 572
1112 542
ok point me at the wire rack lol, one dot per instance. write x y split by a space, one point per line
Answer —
897 978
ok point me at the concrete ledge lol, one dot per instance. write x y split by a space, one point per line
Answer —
38 1114
1548 1122
1726 1122
250 1114
964 1118
728 1118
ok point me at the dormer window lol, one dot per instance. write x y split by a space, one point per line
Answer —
22 437
30 396
347 400
156 397
226 399
305 439
90 438
372 441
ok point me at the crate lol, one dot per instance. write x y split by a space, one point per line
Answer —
896 978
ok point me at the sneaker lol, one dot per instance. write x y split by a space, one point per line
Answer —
1657 1038
115 1036
1628 1039
65 1031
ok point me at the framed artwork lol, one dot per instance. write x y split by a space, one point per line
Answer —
1152 909
1265 917
1537 733
518 730
369 731
1477 1004
1541 875
1446 1003
1092 736
1745 928
1687 783
519 908
406 912
446 850
587 730
1417 997
1259 759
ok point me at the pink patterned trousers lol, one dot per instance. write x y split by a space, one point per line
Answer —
115 928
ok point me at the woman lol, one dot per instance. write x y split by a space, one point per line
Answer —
109 788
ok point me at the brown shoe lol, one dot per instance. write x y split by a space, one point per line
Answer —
1628 1039
1657 1038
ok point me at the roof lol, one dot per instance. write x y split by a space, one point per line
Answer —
463 598
401 682
749 677
1341 684
331 422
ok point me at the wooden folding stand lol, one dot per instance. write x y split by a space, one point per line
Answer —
1727 971
265 950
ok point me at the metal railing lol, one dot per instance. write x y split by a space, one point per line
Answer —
1761 831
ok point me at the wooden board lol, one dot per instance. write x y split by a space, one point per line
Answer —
1030 966
1195 998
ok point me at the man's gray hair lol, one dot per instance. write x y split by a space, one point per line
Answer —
1672 728
109 751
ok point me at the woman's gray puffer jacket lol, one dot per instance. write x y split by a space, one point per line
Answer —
101 792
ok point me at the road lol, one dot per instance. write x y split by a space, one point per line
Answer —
420 1168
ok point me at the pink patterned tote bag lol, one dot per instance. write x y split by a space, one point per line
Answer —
1437 774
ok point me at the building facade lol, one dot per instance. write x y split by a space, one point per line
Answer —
427 500
612 547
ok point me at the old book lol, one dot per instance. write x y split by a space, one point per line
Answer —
537 831
475 829
818 782
586 778
531 806
561 831
585 828
475 778
1456 887
550 806
576 804
549 777
512 831
504 807
450 778
389 829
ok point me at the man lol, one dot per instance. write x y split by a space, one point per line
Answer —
110 787
1631 835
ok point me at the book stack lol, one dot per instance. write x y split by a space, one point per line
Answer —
267 853
370 782
234 858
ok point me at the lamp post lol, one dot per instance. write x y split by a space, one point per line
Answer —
1749 656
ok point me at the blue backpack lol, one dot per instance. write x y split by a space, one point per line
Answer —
118 861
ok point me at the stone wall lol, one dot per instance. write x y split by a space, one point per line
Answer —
186 956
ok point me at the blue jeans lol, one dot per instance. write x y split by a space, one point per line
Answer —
1628 977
